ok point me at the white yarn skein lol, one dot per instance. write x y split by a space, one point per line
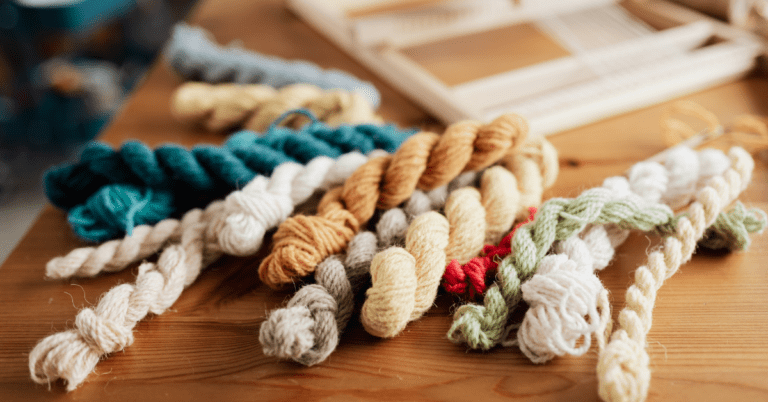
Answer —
71 355
565 295
252 211
265 203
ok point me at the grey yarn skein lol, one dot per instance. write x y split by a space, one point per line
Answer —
195 56
307 330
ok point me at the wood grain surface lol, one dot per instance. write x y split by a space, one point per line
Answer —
708 341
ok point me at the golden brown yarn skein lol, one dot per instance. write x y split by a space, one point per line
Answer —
254 107
426 160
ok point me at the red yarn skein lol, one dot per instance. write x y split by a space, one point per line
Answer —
471 277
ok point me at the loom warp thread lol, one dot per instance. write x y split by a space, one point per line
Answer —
425 161
193 54
254 107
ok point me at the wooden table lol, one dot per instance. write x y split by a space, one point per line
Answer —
708 341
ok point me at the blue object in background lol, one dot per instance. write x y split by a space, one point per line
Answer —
106 44
73 16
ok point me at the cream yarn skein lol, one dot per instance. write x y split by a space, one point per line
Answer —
219 107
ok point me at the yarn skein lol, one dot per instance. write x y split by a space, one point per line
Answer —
623 366
187 179
565 291
207 167
563 297
254 107
307 334
289 185
470 278
405 281
71 355
425 161
193 54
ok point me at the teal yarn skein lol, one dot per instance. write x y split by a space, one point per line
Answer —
106 185
99 218
194 56
483 326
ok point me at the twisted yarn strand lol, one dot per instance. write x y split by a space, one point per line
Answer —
623 366
254 107
426 161
193 54
304 333
73 354
563 298
401 284
731 229
470 278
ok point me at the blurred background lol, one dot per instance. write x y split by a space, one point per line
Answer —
65 68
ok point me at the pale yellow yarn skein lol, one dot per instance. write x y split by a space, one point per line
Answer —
432 241
389 305
219 107
466 220
501 199
623 366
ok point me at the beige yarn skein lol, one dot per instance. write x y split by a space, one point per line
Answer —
228 106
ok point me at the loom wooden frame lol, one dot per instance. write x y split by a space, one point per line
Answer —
707 66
